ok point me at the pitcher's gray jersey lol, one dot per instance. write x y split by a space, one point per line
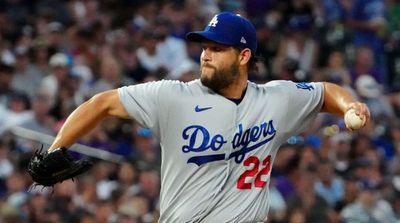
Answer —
216 155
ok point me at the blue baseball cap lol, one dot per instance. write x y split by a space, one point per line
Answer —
229 29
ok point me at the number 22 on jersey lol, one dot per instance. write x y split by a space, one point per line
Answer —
258 169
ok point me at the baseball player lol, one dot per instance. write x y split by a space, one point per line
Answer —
219 134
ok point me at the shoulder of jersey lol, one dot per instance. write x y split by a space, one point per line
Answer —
278 83
171 82
179 85
274 84
178 82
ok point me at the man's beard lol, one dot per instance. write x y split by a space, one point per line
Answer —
221 79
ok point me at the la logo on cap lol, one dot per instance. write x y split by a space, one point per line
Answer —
213 21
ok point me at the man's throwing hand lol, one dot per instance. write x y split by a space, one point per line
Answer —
356 116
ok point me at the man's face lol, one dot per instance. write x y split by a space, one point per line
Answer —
219 65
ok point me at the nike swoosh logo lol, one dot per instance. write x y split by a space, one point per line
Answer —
198 109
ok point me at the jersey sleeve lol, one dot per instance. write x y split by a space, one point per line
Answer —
143 102
304 103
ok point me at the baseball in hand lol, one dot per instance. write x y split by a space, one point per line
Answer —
352 120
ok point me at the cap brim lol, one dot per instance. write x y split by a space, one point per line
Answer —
202 35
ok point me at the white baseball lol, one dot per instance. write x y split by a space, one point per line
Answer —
352 120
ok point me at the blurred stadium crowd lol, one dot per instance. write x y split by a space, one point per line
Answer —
56 54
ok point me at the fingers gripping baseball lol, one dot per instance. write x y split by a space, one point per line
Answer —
356 116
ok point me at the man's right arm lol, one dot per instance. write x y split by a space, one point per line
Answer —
87 116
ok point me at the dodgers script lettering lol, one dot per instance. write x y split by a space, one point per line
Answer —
199 140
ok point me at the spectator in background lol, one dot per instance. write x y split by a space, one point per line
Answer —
55 37
64 102
333 12
124 49
315 208
351 190
6 76
394 165
367 20
188 71
377 169
98 32
178 17
278 206
105 210
146 149
6 167
60 68
268 38
298 45
86 13
392 45
134 210
162 53
336 70
144 14
360 145
86 196
363 64
132 67
331 33
40 56
284 156
82 48
104 185
17 112
368 207
393 16
110 74
56 211
128 176
286 183
309 158
6 55
16 184
147 53
118 38
37 204
370 92
170 50
41 120
328 185
339 153
26 78
257 8
296 215
82 79
149 181
396 205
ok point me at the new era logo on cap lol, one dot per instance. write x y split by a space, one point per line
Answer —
229 29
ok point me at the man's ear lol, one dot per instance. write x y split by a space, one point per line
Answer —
244 56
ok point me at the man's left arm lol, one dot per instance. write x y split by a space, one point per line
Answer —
338 101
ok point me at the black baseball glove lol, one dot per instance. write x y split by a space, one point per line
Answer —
49 168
